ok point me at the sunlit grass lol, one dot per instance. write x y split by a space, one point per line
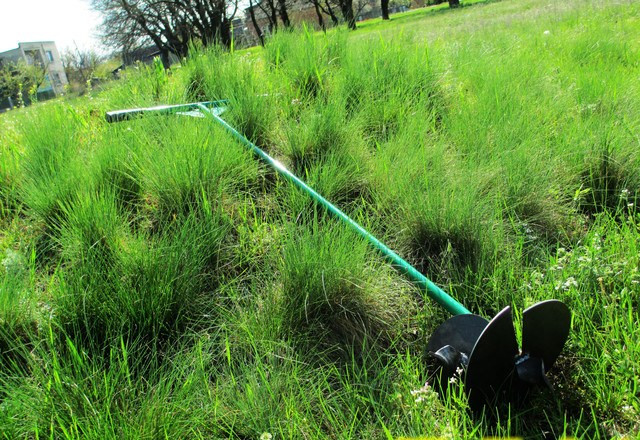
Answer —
157 281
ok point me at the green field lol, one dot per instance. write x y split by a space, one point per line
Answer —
157 281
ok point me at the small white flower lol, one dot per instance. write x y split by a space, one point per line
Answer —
628 409
452 380
266 436
421 393
547 32
13 262
570 282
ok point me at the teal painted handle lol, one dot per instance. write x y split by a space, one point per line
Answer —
121 115
436 293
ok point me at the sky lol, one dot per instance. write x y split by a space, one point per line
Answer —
67 22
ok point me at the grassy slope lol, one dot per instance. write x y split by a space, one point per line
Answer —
157 281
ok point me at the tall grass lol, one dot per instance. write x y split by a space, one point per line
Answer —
123 285
331 287
157 281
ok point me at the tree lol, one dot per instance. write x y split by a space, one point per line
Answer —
80 65
319 15
346 7
334 18
18 78
172 25
252 14
8 82
270 11
324 6
384 6
284 15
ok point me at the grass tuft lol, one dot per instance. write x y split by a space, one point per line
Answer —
343 297
611 184
119 285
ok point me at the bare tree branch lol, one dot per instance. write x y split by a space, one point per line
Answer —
172 25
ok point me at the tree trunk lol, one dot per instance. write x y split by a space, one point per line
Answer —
252 14
334 19
268 7
225 33
274 17
384 5
164 57
284 16
347 12
319 14
454 3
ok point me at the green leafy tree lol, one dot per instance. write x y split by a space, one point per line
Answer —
16 78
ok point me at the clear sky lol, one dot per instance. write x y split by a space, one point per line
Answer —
62 21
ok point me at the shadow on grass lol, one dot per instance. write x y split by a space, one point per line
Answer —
532 413
541 413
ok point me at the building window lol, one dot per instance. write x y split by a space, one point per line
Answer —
50 56
32 57
56 79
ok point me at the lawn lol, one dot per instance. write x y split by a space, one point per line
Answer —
158 281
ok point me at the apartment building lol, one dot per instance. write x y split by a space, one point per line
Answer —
45 54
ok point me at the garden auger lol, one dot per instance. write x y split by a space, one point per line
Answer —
485 353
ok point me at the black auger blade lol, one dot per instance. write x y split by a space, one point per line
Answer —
491 363
545 329
494 368
453 341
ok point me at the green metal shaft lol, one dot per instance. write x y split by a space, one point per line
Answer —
436 293
121 115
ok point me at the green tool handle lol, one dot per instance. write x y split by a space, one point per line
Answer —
121 115
436 293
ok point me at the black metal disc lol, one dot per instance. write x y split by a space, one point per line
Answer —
491 364
545 328
461 332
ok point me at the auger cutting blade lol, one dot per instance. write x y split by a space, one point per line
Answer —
495 368
545 329
491 363
452 342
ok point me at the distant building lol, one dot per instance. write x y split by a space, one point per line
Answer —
45 54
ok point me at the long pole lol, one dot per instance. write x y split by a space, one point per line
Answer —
426 285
